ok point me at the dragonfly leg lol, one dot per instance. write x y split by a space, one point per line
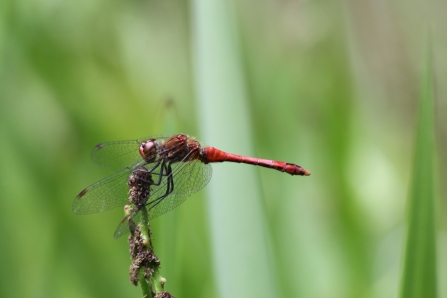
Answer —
155 166
169 188
170 183
160 174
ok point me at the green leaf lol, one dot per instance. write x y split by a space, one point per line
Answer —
419 276
238 224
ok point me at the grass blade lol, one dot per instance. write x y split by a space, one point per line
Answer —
419 276
243 267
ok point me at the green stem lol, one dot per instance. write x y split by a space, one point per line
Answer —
144 228
156 281
144 285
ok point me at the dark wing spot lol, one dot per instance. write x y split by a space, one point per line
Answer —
81 193
126 218
99 146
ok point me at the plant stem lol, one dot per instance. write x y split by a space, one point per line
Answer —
145 235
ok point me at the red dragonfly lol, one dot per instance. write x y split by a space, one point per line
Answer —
171 167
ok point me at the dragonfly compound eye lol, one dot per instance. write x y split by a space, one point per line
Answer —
147 150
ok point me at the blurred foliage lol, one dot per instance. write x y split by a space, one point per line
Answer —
332 86
419 275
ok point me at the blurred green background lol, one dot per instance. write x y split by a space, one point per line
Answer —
331 85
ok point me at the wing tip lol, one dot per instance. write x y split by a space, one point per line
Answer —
99 146
82 193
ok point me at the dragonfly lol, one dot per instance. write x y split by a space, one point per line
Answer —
163 170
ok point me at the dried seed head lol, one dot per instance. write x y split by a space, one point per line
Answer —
164 295
143 258
139 186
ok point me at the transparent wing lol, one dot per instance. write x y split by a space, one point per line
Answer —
188 178
124 226
119 154
105 194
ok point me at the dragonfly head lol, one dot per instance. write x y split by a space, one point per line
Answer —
148 150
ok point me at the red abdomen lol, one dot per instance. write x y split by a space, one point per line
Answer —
215 155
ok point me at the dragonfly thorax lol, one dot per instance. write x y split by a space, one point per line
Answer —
178 148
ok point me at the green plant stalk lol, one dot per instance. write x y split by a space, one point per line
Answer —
145 227
419 276
238 225
144 285
146 238
156 281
